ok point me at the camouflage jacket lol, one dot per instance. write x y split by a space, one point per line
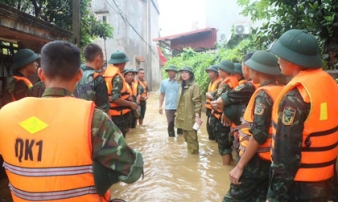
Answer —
37 90
17 88
109 146
240 95
94 89
286 156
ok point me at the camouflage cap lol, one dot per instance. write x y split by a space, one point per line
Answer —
23 57
118 58
186 68
212 68
171 68
265 62
298 47
227 66
238 68
125 71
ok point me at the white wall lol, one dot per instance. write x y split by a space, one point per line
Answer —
128 40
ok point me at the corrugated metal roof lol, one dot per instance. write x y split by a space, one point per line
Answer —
176 36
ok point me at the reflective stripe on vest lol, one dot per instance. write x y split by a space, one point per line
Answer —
144 86
232 81
41 160
109 75
212 86
320 133
247 120
25 80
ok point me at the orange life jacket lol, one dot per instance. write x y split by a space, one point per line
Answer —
144 86
320 133
232 81
135 87
109 75
248 117
25 80
212 86
40 157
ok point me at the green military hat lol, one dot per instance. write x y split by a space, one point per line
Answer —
118 58
234 113
171 68
238 68
135 71
125 71
104 177
23 57
188 69
227 66
212 68
265 62
298 47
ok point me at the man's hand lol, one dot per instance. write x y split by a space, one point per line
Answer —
225 121
133 106
160 110
235 174
146 98
217 104
209 96
198 120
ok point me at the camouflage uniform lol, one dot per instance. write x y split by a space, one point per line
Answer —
122 122
17 88
255 177
221 132
92 89
37 90
287 157
109 146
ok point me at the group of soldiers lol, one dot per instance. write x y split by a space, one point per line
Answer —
280 113
45 132
114 89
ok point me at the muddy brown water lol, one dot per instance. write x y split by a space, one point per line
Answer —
170 172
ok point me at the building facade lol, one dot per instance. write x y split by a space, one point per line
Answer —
135 24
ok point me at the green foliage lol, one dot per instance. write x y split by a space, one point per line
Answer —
59 12
319 17
200 61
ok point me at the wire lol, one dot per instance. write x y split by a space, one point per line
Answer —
126 21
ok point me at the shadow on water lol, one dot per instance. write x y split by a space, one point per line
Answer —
171 173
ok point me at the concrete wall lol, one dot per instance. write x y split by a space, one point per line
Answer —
128 40
222 15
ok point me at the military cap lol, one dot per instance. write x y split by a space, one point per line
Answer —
118 58
212 68
104 177
188 69
227 66
171 68
125 71
265 62
135 71
298 47
238 68
23 57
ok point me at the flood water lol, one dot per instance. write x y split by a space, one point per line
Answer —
170 172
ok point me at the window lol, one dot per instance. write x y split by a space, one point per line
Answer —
102 17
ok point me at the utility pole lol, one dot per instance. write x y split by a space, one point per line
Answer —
76 22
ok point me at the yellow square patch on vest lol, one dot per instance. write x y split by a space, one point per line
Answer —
259 109
33 125
289 115
323 111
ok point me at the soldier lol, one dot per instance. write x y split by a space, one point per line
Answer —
221 132
215 80
169 91
136 96
119 92
189 108
238 73
92 85
144 92
24 65
250 178
304 144
49 153
129 76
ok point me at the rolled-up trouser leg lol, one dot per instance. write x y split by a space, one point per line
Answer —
190 137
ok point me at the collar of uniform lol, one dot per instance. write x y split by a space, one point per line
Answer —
269 82
188 84
172 80
57 92
88 68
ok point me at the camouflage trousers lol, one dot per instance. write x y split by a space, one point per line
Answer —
123 122
190 137
254 182
221 134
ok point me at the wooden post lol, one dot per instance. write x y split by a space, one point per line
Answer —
76 22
